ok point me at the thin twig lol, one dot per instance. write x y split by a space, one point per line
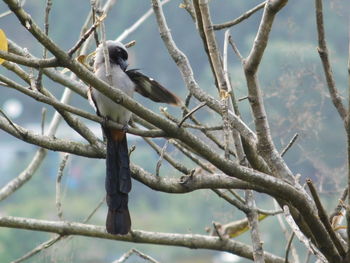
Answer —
10 122
237 203
187 102
200 27
240 18
340 205
43 119
86 35
188 6
308 256
217 231
124 257
290 144
93 16
161 156
201 105
286 233
178 166
6 13
38 81
324 218
323 52
24 176
215 58
243 98
253 220
235 49
347 125
106 55
130 44
138 23
191 155
196 126
309 245
58 186
289 246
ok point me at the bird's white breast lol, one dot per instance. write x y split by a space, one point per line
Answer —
107 107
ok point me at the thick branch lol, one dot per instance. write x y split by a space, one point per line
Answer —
65 107
136 236
265 144
53 74
30 62
51 143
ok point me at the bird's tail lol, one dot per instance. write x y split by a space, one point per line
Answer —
118 183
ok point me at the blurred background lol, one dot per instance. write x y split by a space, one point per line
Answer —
296 100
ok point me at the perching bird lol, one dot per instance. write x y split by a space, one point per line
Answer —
118 178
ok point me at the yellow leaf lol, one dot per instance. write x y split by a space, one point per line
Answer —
3 44
81 59
236 228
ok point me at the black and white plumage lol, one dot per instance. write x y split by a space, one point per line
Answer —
118 176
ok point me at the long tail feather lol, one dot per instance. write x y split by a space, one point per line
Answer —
118 185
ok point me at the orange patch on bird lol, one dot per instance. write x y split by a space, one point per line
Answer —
117 135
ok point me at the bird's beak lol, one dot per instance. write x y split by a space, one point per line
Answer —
122 63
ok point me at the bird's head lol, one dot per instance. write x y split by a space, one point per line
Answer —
117 54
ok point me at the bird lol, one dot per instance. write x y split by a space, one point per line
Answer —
118 174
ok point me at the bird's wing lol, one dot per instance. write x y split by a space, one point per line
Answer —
152 89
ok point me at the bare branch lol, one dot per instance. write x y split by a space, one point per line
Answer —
51 143
290 144
289 246
347 127
187 115
58 186
240 18
53 74
311 247
265 143
182 240
180 167
24 176
138 23
188 6
30 62
324 218
124 257
235 49
323 52
85 36
161 156
55 239
65 107
187 73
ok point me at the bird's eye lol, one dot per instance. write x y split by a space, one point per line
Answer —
117 52
123 54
